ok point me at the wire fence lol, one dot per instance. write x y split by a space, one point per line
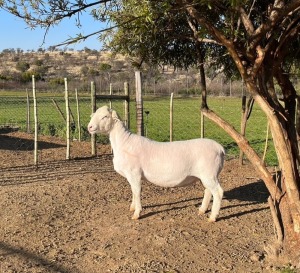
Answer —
16 124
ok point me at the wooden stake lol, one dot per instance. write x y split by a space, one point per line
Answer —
202 125
171 117
78 115
28 112
58 110
93 105
67 119
110 93
126 105
139 104
35 113
266 142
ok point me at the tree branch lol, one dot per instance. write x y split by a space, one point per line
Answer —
278 12
249 152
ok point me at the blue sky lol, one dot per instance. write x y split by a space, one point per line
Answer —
15 33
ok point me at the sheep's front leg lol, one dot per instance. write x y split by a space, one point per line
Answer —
132 205
136 206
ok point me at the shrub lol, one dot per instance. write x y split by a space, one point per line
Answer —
22 66
27 76
104 67
57 81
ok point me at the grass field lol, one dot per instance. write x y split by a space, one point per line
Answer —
186 121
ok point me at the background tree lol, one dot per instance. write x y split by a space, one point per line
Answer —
260 37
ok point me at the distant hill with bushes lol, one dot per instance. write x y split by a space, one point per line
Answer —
107 70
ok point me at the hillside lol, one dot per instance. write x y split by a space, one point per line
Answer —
102 67
71 62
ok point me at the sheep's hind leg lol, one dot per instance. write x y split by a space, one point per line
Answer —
205 201
217 193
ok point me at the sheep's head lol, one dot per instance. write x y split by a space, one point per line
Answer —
102 121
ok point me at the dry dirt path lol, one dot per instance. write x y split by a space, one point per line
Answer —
73 217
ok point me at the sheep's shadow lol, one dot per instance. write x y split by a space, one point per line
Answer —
252 193
172 208
190 202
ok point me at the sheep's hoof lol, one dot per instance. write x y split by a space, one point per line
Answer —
135 217
212 220
201 212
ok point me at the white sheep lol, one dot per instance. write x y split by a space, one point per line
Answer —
166 164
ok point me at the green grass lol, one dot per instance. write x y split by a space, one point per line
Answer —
288 270
186 120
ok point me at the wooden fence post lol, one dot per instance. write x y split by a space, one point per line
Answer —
67 119
266 143
202 125
28 112
126 105
35 122
139 104
93 105
110 93
243 126
58 110
78 115
171 117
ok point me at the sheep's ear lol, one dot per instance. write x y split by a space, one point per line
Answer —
114 115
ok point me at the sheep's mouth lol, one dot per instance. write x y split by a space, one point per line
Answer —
93 132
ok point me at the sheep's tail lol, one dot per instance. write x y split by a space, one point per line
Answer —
222 150
222 154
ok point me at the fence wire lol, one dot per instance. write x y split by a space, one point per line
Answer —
17 124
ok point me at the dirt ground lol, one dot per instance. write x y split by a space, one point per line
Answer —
73 217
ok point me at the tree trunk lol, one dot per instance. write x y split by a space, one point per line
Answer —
289 204
291 240
256 65
285 195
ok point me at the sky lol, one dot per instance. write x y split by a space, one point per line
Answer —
15 33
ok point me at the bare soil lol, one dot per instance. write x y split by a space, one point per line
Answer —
72 216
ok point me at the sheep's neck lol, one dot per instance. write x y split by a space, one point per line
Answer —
119 135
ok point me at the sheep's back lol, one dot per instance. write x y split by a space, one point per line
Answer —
169 161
